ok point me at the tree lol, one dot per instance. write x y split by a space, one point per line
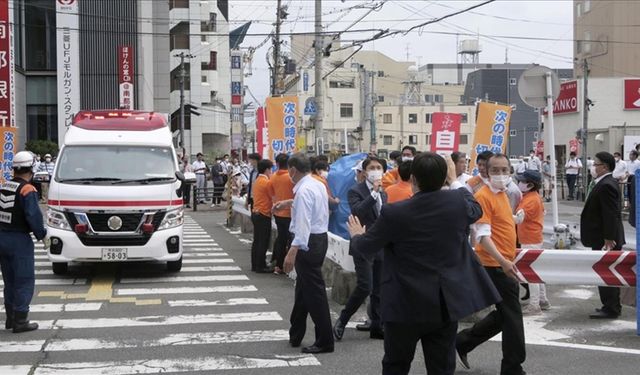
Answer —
42 147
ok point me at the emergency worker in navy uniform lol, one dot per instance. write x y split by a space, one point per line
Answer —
19 216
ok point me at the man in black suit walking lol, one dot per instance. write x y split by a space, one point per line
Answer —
431 276
601 225
366 200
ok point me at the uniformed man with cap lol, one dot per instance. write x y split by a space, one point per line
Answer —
19 216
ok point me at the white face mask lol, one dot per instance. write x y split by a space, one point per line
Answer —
407 158
324 174
523 186
593 172
500 182
47 160
375 175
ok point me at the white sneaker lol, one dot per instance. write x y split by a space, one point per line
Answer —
531 310
545 305
214 205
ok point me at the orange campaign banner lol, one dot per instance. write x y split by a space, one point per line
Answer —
282 119
492 130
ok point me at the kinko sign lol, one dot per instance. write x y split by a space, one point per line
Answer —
567 101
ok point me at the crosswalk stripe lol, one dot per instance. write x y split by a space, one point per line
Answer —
15 370
57 282
188 235
212 254
225 302
198 240
185 290
189 248
59 307
172 279
184 269
191 261
151 366
176 339
159 320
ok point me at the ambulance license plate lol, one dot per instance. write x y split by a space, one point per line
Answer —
114 254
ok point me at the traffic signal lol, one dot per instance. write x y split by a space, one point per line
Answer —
191 110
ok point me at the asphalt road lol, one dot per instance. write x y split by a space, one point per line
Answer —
215 316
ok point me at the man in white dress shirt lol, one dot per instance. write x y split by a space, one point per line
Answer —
200 169
309 225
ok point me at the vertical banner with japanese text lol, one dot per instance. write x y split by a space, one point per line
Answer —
68 62
445 132
492 131
261 132
125 77
282 116
8 132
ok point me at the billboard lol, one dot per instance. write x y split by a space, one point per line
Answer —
445 132
492 130
125 76
68 62
8 134
632 94
567 101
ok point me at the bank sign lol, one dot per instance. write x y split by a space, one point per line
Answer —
567 101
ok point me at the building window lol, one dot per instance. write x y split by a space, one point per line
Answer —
387 140
413 139
204 38
213 60
178 4
464 118
380 98
438 98
42 122
40 35
579 10
205 79
428 98
346 110
513 81
380 73
387 118
427 118
513 133
462 99
586 43
428 139
413 118
587 6
341 84
464 139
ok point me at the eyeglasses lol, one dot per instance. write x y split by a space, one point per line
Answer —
597 164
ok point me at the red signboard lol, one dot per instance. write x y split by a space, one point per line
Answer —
236 99
125 76
567 101
8 134
632 94
445 132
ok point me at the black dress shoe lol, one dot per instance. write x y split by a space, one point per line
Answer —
317 349
338 329
462 359
366 326
294 344
264 270
376 333
602 314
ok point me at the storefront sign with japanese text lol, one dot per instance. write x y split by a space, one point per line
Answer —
567 101
68 62
125 76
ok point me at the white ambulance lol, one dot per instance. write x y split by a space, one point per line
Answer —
115 193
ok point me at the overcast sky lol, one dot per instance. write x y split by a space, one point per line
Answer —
550 19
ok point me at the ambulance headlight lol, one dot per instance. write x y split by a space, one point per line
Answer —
56 219
172 219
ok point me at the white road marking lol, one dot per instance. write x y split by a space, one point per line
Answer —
189 236
212 254
152 366
192 261
59 307
583 294
15 370
225 302
185 290
184 269
188 248
159 320
174 279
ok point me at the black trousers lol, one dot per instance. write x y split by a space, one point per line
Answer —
311 295
283 240
610 295
218 188
368 278
186 193
632 200
261 239
438 346
506 319
571 184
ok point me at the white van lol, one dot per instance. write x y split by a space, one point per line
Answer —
115 193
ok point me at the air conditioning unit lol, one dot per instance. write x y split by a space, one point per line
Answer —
311 148
342 147
325 147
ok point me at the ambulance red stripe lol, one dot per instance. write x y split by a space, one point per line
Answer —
114 203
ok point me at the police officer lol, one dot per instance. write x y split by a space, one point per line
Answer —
19 216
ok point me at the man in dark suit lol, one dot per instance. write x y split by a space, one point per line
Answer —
366 200
431 276
601 225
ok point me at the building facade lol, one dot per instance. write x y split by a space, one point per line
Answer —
48 37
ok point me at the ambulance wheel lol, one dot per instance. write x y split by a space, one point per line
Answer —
59 268
175 266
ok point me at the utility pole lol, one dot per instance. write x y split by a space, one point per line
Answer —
183 74
319 50
374 100
585 122
276 52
